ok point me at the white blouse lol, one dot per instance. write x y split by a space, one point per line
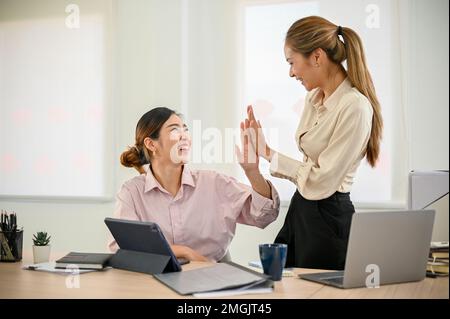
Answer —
333 138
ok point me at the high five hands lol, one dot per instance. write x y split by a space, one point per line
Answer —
253 139
253 146
248 158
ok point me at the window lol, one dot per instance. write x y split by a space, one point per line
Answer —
53 103
278 100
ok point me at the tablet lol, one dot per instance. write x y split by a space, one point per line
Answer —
142 237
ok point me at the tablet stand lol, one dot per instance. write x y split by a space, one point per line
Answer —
140 261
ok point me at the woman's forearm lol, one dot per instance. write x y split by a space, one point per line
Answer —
259 183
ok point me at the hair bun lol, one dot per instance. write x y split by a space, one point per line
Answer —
131 158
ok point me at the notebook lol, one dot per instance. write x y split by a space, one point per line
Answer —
218 280
84 260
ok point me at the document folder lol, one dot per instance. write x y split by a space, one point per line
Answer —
217 278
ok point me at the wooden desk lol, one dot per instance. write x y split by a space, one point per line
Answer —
114 283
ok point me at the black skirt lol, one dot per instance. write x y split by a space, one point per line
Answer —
316 231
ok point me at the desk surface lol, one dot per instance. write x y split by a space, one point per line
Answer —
114 283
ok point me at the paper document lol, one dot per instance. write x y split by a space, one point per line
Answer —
50 267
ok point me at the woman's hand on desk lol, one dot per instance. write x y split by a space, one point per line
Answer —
256 135
187 253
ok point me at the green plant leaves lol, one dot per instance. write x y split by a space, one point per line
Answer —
41 239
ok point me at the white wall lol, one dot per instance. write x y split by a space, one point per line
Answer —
146 69
148 73
429 96
429 81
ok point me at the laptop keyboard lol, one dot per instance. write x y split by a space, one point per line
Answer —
331 278
336 280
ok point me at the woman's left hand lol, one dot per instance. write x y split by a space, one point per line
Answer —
256 134
248 159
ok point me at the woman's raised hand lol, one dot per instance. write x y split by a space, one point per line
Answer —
248 159
256 135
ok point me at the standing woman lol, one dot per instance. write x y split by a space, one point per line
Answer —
340 125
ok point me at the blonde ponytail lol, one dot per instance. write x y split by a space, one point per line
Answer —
359 75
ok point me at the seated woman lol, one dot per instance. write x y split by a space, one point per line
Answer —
197 210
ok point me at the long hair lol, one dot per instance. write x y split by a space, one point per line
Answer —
311 33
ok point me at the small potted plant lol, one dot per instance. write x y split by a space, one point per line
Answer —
41 247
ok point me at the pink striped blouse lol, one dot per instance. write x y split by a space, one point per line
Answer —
204 212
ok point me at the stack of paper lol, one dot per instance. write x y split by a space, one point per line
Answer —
438 259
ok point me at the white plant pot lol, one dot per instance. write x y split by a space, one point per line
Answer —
41 254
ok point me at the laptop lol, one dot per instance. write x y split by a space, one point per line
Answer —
143 247
392 244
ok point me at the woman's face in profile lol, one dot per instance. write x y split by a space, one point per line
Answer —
301 68
174 142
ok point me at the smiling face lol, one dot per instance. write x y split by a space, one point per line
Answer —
304 69
173 144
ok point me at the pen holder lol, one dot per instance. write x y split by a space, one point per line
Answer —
11 243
